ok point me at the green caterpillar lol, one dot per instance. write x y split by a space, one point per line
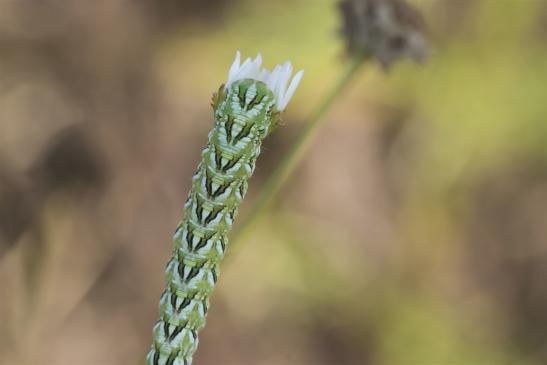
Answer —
246 110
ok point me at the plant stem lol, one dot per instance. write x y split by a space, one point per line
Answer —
280 175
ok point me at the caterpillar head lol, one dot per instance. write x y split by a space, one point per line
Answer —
279 80
253 101
257 94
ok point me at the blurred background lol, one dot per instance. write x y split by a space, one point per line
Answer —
414 232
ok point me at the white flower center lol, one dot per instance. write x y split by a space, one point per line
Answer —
276 79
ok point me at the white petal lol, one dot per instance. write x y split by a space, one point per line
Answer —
244 69
257 65
287 71
292 88
234 68
275 80
264 75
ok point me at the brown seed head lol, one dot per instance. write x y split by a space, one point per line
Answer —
387 30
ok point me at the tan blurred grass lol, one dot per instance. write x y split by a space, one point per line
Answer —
413 233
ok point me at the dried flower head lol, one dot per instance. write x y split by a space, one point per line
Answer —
387 30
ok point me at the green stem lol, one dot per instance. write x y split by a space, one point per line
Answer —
280 175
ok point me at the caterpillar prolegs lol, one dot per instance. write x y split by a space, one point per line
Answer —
245 111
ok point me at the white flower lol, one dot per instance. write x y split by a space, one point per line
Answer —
277 79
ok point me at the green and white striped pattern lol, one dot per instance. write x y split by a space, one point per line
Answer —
245 112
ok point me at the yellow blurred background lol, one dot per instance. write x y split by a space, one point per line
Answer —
414 232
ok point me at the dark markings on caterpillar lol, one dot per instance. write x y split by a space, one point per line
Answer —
198 168
180 268
221 190
242 95
208 183
171 359
193 273
203 241
201 264
242 190
228 127
176 331
255 101
218 158
213 215
184 303
244 132
168 263
199 211
173 301
183 325
223 245
156 356
231 163
190 237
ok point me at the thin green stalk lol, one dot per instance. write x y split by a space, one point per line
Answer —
280 175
